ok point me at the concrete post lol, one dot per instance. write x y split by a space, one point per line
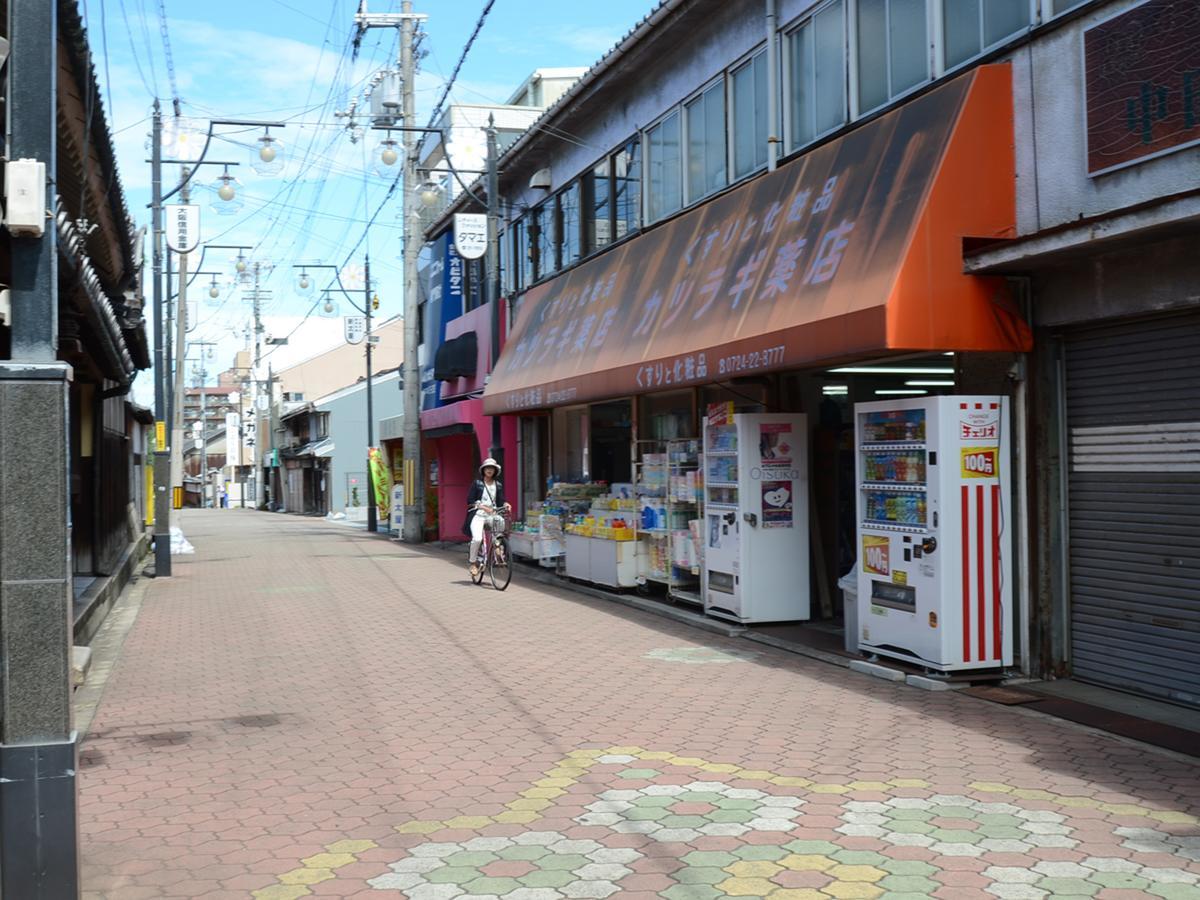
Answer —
39 822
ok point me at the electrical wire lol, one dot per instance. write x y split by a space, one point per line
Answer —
170 59
133 50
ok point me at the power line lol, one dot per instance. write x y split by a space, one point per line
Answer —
166 42
133 50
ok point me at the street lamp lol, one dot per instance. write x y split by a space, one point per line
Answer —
305 284
227 202
329 306
386 155
270 155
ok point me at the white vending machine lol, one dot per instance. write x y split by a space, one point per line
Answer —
934 525
755 524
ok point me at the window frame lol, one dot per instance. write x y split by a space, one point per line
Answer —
719 80
787 82
647 217
745 61
942 67
932 54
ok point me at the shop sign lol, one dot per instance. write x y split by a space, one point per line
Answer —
981 425
875 554
470 234
356 329
1142 75
183 227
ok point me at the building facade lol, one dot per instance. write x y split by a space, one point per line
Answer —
783 205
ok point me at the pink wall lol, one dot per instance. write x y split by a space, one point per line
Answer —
478 320
456 457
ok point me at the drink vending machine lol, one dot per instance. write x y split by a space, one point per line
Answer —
756 554
934 525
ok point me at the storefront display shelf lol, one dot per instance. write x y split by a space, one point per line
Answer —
894 526
721 484
910 486
892 445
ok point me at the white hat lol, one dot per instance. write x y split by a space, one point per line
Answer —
490 462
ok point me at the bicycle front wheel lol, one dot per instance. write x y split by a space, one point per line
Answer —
500 567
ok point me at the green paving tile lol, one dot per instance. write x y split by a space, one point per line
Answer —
955 836
643 774
907 867
692 892
683 821
760 852
655 802
471 858
645 813
736 803
912 884
566 862
547 879
1174 891
523 853
859 858
904 895
726 816
1002 819
909 815
716 858
496 886
452 875
811 848
1003 832
1126 880
698 797
953 812
700 875
905 827
1068 887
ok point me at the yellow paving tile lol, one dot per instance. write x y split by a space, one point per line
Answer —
686 761
755 774
1031 794
991 787
869 785
554 782
281 892
1078 802
530 803
724 768
797 894
655 754
419 827
544 793
350 846
806 862
517 817
747 887
909 783
753 868
472 822
852 890
790 781
828 788
1173 817
328 860
1122 809
869 874
586 754
306 876
624 751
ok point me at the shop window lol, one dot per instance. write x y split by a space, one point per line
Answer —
750 116
570 226
817 70
972 26
664 168
570 439
667 417
611 434
706 145
474 284
893 53
597 206
627 184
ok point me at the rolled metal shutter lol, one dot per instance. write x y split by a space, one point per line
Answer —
1133 414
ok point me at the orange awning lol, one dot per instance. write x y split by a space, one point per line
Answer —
852 249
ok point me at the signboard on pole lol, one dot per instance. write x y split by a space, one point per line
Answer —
356 329
470 234
183 227
232 422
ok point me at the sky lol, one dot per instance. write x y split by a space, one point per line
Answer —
291 61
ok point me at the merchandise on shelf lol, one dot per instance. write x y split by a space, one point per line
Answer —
892 426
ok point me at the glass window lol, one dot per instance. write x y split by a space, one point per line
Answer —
892 49
971 26
706 142
1061 6
597 206
818 75
750 116
507 286
570 226
664 173
541 238
627 181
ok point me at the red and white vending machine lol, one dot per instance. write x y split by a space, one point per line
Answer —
934 526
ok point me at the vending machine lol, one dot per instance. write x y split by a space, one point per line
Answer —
755 534
934 532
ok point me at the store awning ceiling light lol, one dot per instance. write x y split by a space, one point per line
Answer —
896 392
929 383
835 389
889 370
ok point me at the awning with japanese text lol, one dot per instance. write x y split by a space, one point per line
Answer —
852 249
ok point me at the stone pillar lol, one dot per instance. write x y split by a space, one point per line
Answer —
38 806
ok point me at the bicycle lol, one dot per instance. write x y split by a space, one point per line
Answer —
493 554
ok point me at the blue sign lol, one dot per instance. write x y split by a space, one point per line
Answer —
441 278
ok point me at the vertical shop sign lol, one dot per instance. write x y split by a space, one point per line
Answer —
381 480
1142 73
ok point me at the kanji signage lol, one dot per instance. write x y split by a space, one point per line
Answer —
1142 72
356 329
470 235
183 227
853 248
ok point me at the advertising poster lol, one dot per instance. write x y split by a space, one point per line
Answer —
381 479
875 554
775 444
776 504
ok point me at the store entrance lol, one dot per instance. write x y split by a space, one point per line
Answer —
612 435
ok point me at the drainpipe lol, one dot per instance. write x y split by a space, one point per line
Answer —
773 139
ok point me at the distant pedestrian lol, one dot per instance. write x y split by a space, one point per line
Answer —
484 500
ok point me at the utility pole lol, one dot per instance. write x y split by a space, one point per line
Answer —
414 488
162 458
493 268
372 506
39 829
180 369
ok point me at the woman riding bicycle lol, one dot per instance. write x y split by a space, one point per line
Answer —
484 501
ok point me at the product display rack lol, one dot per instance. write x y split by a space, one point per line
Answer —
685 496
650 483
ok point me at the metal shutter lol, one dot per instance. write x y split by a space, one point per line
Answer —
1133 414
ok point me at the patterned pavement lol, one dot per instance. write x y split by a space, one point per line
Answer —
306 711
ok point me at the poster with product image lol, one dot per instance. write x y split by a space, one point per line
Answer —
777 503
775 443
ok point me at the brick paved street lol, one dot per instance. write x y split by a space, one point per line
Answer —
304 710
